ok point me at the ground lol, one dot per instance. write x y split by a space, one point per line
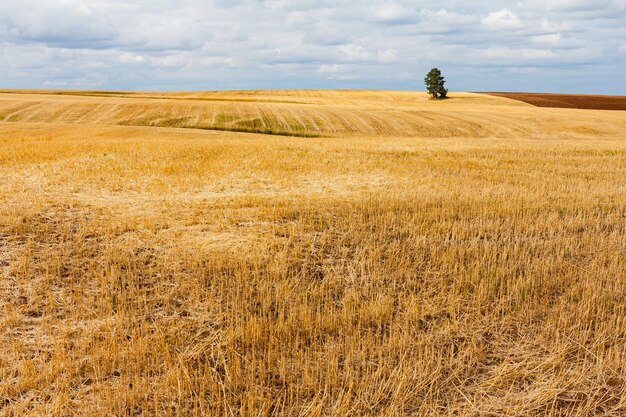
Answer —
371 254
569 101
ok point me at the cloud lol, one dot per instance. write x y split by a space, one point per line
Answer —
68 24
339 72
352 52
502 20
517 55
388 56
130 58
550 39
596 7
394 12
331 69
215 44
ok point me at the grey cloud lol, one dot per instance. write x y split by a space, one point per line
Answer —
66 24
197 44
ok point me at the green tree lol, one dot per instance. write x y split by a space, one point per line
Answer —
435 84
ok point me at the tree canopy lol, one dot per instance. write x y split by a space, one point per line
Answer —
435 84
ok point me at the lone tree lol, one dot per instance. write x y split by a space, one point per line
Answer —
434 84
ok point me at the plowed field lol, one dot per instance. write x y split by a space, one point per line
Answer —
568 101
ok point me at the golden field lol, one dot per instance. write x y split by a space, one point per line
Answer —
310 253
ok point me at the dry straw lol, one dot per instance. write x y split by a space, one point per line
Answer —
462 258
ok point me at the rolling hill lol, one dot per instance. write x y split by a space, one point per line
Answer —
378 254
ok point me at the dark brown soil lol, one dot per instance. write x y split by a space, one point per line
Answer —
569 101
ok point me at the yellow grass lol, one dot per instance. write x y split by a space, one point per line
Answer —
312 113
457 258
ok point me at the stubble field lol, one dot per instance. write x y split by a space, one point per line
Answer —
310 253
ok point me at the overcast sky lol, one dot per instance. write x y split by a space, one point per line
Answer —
531 45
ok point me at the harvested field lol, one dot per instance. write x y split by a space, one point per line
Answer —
418 258
568 101
304 113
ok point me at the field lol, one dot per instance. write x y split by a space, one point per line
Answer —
569 101
310 253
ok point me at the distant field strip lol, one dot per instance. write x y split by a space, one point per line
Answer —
148 97
331 113
568 101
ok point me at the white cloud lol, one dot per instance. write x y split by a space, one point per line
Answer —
574 6
388 56
330 69
502 20
355 52
204 44
217 60
84 10
394 12
551 38
130 58
517 55
172 60
447 18
339 72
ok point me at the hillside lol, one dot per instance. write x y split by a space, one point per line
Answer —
400 257
307 113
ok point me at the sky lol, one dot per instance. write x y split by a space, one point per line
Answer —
569 46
